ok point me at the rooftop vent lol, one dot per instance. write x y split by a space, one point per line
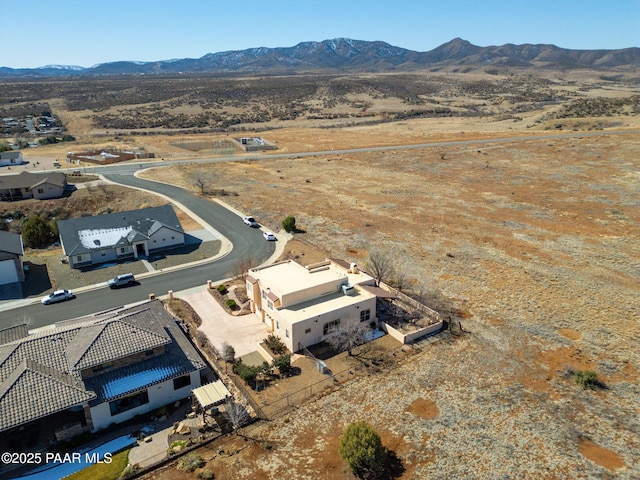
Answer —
348 289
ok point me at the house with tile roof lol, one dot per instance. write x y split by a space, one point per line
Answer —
85 374
26 185
99 239
11 252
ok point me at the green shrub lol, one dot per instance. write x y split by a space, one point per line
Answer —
206 475
276 345
231 303
361 447
282 363
191 462
222 289
248 373
587 379
289 224
37 232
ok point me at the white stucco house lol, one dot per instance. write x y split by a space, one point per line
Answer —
98 239
304 305
11 158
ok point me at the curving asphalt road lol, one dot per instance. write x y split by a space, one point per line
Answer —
246 241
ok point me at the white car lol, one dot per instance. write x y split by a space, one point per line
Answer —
250 221
58 296
269 236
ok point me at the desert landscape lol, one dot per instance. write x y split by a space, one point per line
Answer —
526 235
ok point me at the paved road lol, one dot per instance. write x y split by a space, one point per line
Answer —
247 242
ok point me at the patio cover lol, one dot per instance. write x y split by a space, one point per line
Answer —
211 394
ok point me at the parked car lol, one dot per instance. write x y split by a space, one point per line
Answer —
269 236
57 296
250 221
123 280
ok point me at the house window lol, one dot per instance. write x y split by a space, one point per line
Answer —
79 258
264 295
127 403
286 333
103 254
270 304
122 250
181 382
40 190
365 315
330 326
277 325
307 330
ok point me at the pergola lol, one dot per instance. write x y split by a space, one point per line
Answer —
210 395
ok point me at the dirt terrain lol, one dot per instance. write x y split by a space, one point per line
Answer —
532 245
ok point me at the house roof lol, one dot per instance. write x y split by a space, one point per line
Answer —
11 242
29 180
33 391
41 374
87 234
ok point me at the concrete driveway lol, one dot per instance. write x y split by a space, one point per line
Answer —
243 333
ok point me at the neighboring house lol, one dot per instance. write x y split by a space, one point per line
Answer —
305 305
85 374
116 236
32 185
11 251
11 158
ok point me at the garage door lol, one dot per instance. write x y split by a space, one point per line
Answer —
8 272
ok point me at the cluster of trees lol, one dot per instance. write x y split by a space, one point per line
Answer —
249 373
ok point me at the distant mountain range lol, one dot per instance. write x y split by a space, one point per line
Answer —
346 55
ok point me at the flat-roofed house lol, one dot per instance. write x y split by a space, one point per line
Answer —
93 240
304 305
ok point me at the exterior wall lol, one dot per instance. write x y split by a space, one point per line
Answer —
76 261
47 190
17 262
298 337
317 291
165 238
159 395
102 256
410 337
11 158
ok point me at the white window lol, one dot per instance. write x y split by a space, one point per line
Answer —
365 315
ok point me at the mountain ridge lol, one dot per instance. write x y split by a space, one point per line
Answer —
348 55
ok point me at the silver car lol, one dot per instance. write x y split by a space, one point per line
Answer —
57 296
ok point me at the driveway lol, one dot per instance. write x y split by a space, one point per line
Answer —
243 332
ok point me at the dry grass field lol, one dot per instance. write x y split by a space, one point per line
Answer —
533 245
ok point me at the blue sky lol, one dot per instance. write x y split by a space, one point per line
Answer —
88 32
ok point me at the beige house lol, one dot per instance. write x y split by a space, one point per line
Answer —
305 305
32 185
